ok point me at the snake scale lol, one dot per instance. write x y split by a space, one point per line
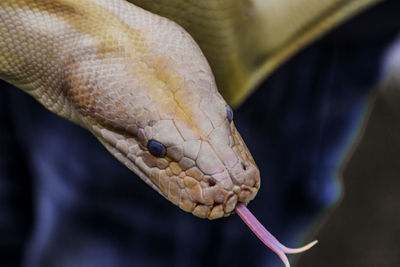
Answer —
142 86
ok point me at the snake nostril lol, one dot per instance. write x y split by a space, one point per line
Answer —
244 165
211 182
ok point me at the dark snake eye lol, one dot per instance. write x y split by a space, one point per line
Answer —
156 149
229 113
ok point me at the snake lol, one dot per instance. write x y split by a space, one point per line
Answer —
142 86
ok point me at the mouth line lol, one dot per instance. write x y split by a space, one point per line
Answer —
211 212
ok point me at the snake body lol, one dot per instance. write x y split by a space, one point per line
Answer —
131 77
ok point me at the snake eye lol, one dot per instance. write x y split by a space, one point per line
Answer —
156 148
229 113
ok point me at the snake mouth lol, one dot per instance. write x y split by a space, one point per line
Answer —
231 199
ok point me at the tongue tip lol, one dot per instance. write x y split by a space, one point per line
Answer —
301 249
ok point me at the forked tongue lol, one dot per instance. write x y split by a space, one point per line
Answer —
266 237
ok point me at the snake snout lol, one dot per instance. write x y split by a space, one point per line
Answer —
249 185
227 189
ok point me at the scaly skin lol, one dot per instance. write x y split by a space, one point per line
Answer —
130 76
246 40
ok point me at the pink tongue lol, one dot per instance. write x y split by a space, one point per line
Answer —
266 237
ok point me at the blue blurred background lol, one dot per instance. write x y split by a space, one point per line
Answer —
65 202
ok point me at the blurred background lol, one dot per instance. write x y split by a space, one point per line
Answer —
64 201
363 228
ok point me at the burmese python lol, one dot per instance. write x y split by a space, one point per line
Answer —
142 86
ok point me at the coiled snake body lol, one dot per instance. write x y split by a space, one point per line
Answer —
142 86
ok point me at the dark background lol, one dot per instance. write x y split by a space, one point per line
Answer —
64 201
364 228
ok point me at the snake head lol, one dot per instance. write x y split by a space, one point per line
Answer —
204 166
190 153
150 97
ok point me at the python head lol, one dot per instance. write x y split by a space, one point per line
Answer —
187 149
151 99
